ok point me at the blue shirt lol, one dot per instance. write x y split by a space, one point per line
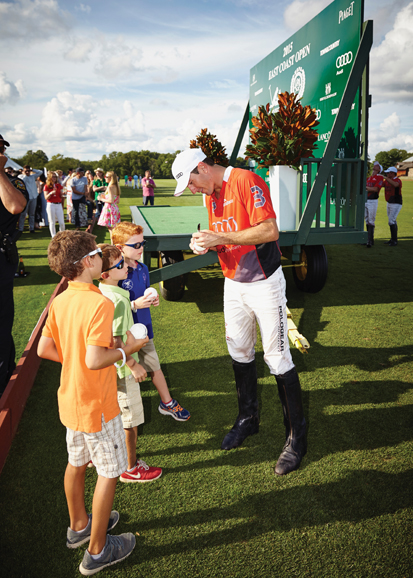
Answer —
136 283
81 186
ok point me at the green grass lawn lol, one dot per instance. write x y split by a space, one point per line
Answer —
347 512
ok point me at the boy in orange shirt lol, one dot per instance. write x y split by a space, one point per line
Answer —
78 334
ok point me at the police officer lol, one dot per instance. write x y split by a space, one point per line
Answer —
13 200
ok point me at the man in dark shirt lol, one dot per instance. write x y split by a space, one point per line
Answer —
13 200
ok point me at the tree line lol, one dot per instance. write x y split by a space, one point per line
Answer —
160 164
131 163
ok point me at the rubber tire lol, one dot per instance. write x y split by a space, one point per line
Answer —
312 276
172 289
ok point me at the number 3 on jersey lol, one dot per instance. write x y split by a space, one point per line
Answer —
259 199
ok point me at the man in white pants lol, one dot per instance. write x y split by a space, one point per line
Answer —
373 186
393 196
244 232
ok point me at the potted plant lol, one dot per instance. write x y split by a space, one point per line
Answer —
279 140
211 147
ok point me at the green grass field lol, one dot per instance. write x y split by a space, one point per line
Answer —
346 513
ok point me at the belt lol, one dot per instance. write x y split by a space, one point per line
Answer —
53 202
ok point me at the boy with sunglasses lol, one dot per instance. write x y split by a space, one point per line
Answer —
128 237
78 334
114 269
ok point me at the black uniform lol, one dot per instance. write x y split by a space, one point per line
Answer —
8 267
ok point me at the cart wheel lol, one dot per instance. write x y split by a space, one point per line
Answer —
171 289
311 276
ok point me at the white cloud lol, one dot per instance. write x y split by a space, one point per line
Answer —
391 65
79 50
84 8
388 136
69 117
19 134
32 20
10 93
118 58
300 12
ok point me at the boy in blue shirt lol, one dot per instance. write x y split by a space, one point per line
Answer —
128 237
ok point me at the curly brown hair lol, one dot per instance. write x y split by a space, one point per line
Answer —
66 248
109 254
124 231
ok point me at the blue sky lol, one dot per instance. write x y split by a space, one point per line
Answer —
87 78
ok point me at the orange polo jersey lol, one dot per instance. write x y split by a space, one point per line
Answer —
78 317
244 202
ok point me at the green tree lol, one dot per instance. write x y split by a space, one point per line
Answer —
36 160
392 157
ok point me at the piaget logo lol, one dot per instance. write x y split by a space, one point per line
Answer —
343 14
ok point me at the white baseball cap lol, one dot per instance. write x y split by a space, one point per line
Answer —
391 170
182 167
377 163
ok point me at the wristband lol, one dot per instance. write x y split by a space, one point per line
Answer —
124 359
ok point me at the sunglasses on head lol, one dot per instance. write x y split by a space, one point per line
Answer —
95 252
117 266
135 245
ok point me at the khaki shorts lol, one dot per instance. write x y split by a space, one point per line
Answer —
130 402
106 448
148 357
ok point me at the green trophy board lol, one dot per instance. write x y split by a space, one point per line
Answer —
315 63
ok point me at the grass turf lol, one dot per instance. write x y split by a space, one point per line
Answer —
346 513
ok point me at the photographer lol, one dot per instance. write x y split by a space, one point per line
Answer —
13 200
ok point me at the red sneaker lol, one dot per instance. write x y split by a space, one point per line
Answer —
141 473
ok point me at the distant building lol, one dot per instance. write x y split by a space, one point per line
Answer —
405 168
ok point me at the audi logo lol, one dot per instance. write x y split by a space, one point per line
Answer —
344 59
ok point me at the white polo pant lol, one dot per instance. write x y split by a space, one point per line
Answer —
263 302
370 211
55 212
393 209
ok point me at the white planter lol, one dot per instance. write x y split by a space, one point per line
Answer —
283 183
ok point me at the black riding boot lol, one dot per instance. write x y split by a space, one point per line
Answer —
370 231
393 241
247 422
295 446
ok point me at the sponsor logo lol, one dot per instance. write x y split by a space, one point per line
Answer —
274 99
343 14
328 92
254 81
281 336
318 114
257 92
330 47
214 206
254 108
344 59
324 137
228 202
127 284
179 175
334 111
328 88
298 82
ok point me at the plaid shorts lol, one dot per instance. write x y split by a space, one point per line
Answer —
130 401
106 448
148 357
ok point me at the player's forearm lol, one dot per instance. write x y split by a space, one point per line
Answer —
46 349
265 232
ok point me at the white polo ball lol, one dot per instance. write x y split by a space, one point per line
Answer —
151 292
139 331
198 248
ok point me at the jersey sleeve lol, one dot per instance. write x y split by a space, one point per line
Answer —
100 328
256 198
